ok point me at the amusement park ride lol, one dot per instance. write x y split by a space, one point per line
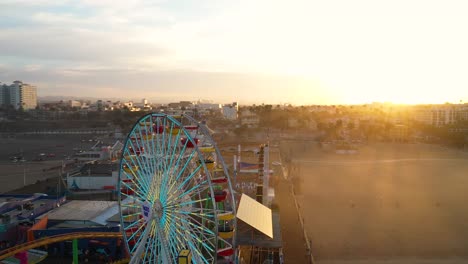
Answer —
176 200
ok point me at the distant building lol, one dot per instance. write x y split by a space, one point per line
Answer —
230 111
73 103
439 115
129 105
293 122
463 112
204 106
99 105
3 91
423 116
249 118
19 95
94 176
144 105
181 104
399 133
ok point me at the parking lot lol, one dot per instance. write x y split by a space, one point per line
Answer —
53 150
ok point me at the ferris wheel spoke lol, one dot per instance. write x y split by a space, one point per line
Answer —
196 227
162 240
152 247
159 155
141 187
191 238
174 149
138 175
135 191
194 172
136 162
179 174
180 156
142 150
137 180
134 224
172 234
175 168
174 197
149 146
173 139
205 215
178 205
192 244
173 251
139 249
167 147
189 177
189 159
156 149
192 189
199 254
173 201
138 191
152 244
186 203
130 195
172 194
203 234
162 147
141 230
156 142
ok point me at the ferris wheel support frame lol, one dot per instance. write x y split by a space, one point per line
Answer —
207 133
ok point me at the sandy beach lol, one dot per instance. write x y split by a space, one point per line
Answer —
389 203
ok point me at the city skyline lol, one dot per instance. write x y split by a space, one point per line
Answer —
299 52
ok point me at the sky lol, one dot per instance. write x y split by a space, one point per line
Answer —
250 51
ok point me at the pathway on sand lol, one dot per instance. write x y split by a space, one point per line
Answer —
294 247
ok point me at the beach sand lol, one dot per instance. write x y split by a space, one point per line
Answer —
391 203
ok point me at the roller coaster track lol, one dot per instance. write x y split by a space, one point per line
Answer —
54 239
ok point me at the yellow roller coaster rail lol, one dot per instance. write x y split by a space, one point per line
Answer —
54 239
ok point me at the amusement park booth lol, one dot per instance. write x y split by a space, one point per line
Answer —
94 176
82 216
259 235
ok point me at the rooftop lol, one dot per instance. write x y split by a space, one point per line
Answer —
99 169
249 236
78 210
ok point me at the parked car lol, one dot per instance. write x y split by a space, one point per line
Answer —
40 157
16 157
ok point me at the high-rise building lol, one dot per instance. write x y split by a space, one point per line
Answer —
19 95
2 95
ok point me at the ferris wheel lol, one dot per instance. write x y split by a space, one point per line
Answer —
176 200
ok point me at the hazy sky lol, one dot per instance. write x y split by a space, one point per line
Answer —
301 52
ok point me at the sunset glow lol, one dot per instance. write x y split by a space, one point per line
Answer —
300 52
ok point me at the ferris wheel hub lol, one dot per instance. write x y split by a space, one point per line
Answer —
158 209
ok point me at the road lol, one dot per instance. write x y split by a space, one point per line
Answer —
17 175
